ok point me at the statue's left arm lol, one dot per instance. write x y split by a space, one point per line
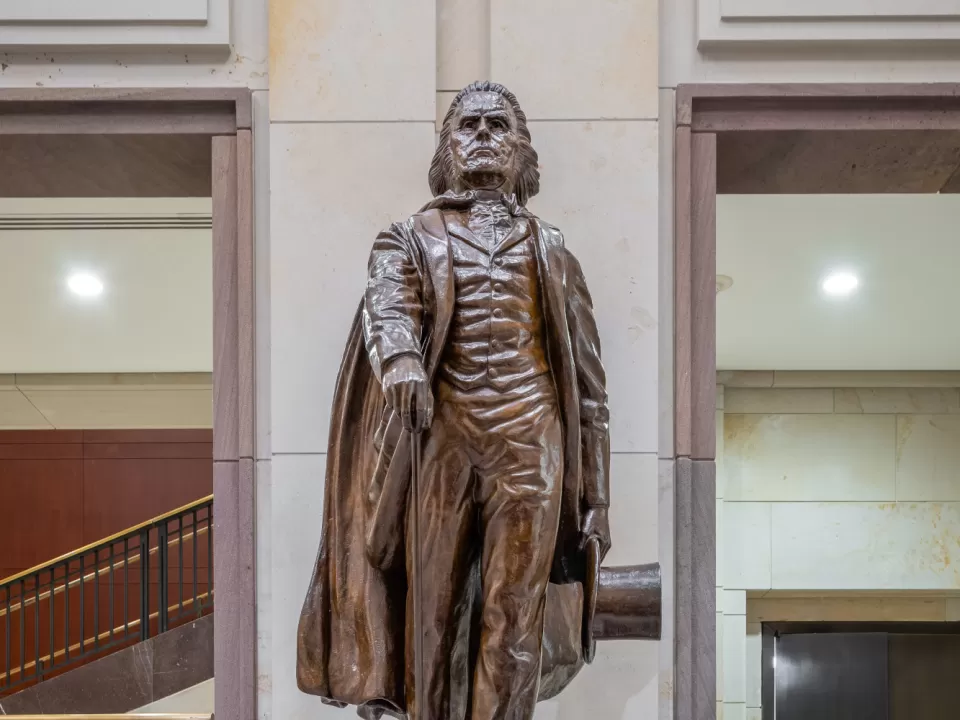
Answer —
594 414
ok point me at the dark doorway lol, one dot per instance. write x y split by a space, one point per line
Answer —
861 671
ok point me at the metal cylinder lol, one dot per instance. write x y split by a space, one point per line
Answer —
628 603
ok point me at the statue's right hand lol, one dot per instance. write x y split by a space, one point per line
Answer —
407 390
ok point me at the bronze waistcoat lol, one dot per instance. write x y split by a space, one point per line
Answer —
496 333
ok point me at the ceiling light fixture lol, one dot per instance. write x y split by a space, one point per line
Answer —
85 284
840 284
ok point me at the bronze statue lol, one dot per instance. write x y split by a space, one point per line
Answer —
473 360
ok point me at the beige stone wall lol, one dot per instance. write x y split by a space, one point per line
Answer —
355 92
836 504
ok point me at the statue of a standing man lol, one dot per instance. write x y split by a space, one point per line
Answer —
476 330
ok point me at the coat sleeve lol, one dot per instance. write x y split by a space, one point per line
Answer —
392 305
592 386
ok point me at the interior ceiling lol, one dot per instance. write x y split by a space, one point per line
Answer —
154 259
777 248
802 162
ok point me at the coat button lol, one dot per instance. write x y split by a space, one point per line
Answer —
493 373
497 287
498 313
498 262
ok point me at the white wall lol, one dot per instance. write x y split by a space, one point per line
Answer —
837 504
355 92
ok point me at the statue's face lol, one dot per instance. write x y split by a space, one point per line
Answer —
484 143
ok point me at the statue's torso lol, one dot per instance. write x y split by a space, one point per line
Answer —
496 334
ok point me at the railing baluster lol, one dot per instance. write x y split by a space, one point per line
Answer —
180 551
112 591
145 584
9 659
66 611
195 564
126 586
96 599
210 574
36 625
23 630
83 644
50 601
163 574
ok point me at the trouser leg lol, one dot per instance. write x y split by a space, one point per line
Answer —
447 526
520 499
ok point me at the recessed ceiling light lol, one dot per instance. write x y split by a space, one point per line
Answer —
85 284
840 284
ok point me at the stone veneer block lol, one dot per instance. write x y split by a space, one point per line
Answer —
600 189
746 545
754 664
928 457
296 501
734 602
778 401
809 457
565 63
952 610
633 512
323 225
854 546
897 400
346 60
463 43
734 658
754 714
847 609
666 542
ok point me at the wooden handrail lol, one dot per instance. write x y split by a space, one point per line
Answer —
132 560
112 538
105 635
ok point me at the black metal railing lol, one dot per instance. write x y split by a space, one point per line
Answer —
110 594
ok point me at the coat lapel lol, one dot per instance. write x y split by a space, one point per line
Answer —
432 233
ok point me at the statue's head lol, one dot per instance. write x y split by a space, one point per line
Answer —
485 145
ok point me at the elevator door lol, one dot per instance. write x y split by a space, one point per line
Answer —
831 676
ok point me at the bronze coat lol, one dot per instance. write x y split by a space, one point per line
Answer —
351 634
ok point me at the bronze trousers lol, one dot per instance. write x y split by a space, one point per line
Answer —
490 494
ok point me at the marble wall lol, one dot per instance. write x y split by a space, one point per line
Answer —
837 504
355 92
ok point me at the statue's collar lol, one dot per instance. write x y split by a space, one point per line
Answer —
451 200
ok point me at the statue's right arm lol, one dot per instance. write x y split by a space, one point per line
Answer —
393 307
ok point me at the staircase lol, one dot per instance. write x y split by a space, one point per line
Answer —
107 617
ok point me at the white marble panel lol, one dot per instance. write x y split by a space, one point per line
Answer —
754 713
778 400
261 202
343 60
666 220
928 457
719 651
897 400
734 711
86 410
264 590
567 62
334 187
665 551
16 412
296 512
809 457
754 664
734 602
860 546
952 610
734 658
633 509
746 545
463 43
600 188
621 684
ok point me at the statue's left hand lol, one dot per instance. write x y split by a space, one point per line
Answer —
596 525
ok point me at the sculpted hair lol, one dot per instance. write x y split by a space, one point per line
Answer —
441 169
